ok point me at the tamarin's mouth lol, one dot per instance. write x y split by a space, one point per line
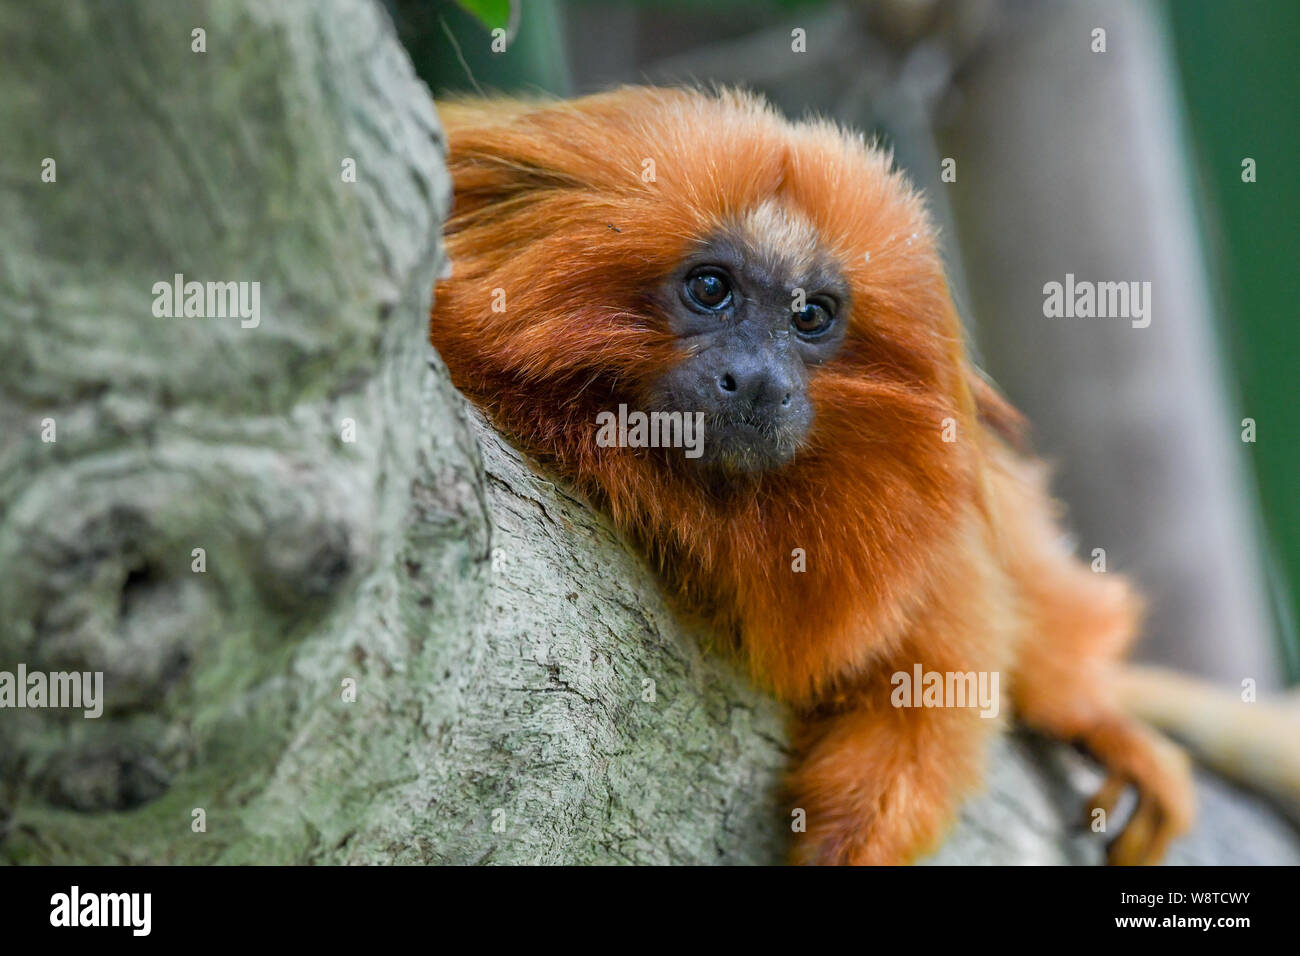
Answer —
748 445
738 437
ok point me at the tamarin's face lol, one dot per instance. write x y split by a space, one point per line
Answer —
757 307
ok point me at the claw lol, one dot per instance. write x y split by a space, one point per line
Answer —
1161 774
1106 798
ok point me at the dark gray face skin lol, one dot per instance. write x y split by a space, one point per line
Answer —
749 355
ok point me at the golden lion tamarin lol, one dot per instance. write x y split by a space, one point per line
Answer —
859 511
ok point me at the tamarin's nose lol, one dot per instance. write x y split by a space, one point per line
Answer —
756 387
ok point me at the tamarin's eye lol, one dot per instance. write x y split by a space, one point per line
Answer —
815 319
708 288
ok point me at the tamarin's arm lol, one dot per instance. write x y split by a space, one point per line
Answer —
879 784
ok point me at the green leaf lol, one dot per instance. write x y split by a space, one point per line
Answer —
492 13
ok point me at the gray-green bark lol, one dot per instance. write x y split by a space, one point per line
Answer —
501 639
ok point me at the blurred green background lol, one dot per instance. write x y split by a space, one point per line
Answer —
1241 78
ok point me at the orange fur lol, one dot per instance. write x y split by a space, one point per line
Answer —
918 549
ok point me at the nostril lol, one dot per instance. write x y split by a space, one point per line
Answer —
727 383
785 402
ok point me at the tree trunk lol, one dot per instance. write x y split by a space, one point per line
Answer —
398 642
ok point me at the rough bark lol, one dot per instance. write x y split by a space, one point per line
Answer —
500 637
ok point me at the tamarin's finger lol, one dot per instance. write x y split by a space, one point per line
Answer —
1164 834
1106 798
1130 847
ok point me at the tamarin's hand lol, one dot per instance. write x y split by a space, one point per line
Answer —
818 468
1255 742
